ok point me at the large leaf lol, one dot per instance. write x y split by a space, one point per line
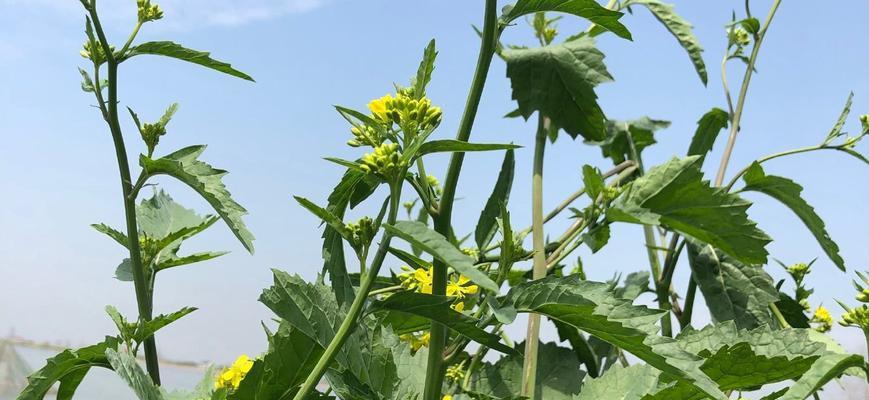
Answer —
185 166
402 305
419 235
619 383
126 366
588 9
708 128
458 146
487 224
558 81
674 195
558 375
788 193
177 51
67 363
620 134
680 29
594 308
733 291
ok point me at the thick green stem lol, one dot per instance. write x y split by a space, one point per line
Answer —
358 304
740 102
140 282
529 369
689 303
443 220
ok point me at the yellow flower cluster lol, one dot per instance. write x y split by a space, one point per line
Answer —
456 372
420 280
856 317
231 377
365 135
823 318
94 52
416 341
384 161
412 115
148 12
362 232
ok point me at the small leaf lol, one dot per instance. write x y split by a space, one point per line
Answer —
487 223
426 67
593 181
675 195
402 305
788 193
177 51
438 246
558 81
116 235
185 166
458 146
840 123
146 329
126 366
64 364
708 128
327 217
588 9
620 134
680 29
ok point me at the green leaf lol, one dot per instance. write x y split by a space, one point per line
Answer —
558 81
580 347
330 219
126 366
788 193
680 28
635 284
674 195
823 370
733 291
124 327
68 363
431 242
594 308
116 235
185 166
402 305
423 73
177 51
558 375
793 312
708 128
619 134
487 223
458 146
147 329
593 181
588 9
840 123
621 383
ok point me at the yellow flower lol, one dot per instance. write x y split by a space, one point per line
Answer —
231 377
460 306
448 397
460 288
379 107
423 280
456 372
822 316
416 341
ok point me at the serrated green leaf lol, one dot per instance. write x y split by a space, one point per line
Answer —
438 246
65 363
788 193
126 366
558 81
593 181
588 9
558 375
708 128
823 370
113 233
635 284
324 215
840 123
185 166
680 28
487 223
620 383
594 308
179 52
146 329
423 73
733 291
398 307
458 146
674 195
620 134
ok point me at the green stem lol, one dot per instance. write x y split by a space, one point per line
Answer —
131 38
778 316
143 294
443 220
777 155
529 370
740 103
689 303
358 304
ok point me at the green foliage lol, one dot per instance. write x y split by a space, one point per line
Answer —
674 195
708 128
67 368
558 81
624 138
179 52
788 193
453 146
126 366
558 378
487 223
589 9
185 166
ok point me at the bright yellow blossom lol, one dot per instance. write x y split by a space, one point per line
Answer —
460 288
448 397
379 106
231 377
822 316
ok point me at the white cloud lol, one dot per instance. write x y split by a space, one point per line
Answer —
184 14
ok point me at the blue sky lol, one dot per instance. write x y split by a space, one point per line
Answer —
58 165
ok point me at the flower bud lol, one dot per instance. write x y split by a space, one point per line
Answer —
148 12
384 161
94 53
740 37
